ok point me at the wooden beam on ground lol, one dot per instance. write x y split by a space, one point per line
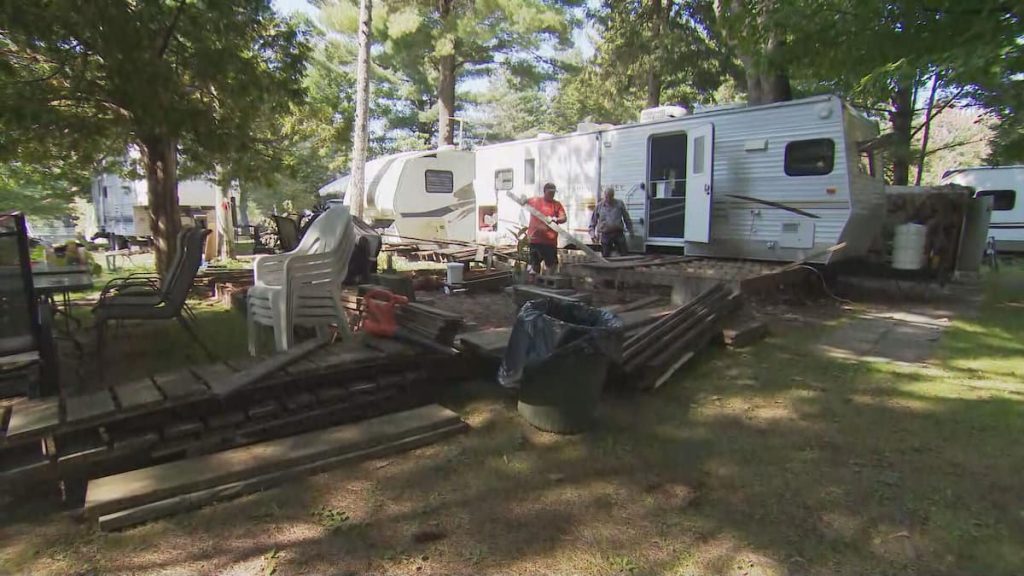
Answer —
131 489
191 501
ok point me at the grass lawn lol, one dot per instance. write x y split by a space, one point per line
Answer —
771 460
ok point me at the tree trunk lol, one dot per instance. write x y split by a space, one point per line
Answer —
160 156
357 182
755 90
446 99
927 129
243 206
225 222
654 70
446 79
774 78
901 118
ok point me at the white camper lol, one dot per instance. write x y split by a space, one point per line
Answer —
1003 184
784 181
425 194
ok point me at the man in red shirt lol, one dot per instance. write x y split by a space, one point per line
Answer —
544 240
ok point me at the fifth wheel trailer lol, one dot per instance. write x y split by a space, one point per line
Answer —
784 181
1004 184
424 194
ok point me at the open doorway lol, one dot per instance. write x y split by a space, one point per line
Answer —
666 186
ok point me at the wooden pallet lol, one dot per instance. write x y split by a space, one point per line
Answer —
176 414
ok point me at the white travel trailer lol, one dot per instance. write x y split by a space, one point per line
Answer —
120 204
1003 184
784 181
425 194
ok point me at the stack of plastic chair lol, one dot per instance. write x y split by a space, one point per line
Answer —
303 287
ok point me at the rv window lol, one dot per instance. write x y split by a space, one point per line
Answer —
503 179
698 155
1001 199
439 181
529 169
810 157
667 165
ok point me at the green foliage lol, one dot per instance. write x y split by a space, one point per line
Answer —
587 95
672 43
504 112
84 79
311 143
42 191
330 518
194 70
410 38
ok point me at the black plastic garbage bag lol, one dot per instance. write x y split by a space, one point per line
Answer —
546 327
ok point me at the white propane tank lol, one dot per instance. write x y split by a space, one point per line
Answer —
908 247
455 273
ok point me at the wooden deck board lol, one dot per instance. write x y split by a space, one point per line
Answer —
179 385
223 384
138 395
89 407
33 417
122 491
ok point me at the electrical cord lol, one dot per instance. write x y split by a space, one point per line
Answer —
824 284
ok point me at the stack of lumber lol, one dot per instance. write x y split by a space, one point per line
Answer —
146 494
429 322
653 354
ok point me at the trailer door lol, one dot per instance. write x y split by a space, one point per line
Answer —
699 171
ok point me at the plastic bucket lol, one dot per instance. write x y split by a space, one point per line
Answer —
908 247
456 271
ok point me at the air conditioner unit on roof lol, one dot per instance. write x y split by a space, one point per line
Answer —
663 112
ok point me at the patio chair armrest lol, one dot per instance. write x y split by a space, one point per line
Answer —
118 284
267 268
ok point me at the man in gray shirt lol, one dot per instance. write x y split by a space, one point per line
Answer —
608 223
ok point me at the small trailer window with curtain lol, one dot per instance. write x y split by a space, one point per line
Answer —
439 181
810 157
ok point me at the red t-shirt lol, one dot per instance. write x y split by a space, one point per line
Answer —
538 232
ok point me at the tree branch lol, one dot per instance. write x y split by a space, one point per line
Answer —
937 111
955 145
170 29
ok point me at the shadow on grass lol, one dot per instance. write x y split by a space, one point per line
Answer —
766 461
137 349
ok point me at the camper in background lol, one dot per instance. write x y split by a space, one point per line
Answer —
783 182
1004 184
424 194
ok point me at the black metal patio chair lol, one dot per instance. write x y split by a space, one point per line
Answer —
169 303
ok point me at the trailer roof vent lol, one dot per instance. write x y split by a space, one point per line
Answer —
663 113
591 127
